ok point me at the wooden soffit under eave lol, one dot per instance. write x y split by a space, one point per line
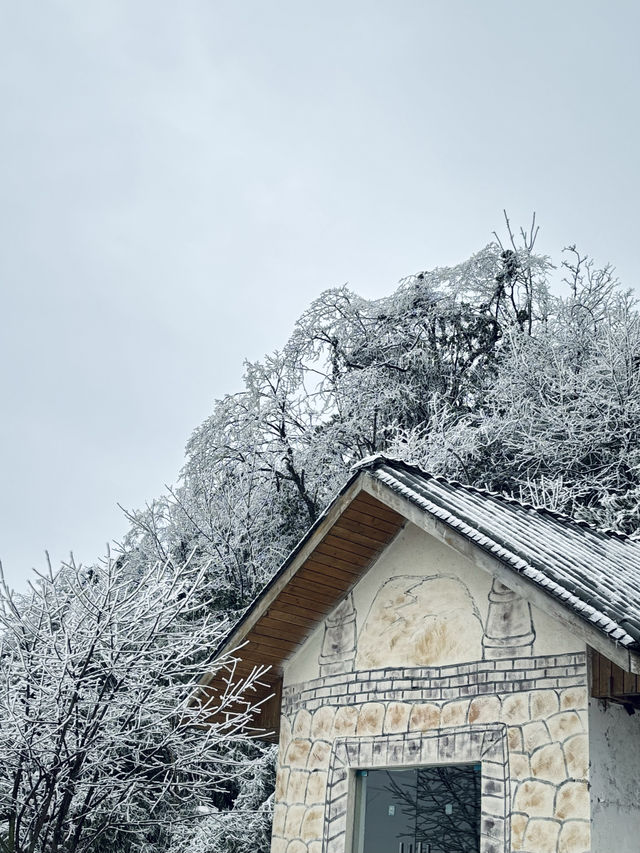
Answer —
609 681
325 566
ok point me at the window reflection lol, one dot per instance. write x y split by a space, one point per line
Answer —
419 810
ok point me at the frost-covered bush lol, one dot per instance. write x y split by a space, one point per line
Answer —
243 828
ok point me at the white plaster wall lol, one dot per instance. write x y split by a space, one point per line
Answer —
416 554
614 749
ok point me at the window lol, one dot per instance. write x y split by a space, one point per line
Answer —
418 810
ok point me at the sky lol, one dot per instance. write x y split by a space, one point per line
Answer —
178 181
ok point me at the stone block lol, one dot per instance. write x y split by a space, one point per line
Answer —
297 787
336 811
336 843
478 741
379 752
575 837
353 752
535 735
312 822
514 738
319 755
535 798
493 769
489 845
412 750
294 820
423 717
493 827
338 788
396 718
429 750
344 723
464 748
572 801
316 787
493 787
494 806
340 752
322 723
365 753
485 709
285 735
278 845
547 763
297 753
454 713
564 724
543 703
576 752
446 748
282 780
493 744
340 823
541 836
296 846
370 719
515 709
395 750
314 847
302 724
279 818
519 767
573 699
519 823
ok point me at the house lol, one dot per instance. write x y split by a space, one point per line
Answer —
451 671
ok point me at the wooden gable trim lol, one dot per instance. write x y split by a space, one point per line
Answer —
328 563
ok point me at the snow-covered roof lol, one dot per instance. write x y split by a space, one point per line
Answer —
594 572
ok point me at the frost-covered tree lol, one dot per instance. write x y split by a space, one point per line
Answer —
563 416
354 376
104 741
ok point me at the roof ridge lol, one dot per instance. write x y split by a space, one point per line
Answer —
377 460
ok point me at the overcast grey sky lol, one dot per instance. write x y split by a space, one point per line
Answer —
180 179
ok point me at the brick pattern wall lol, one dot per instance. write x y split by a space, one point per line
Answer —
418 684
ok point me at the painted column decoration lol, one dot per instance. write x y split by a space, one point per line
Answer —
509 630
339 642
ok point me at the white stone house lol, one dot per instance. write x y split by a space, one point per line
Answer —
452 671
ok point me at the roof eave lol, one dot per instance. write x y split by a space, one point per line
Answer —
235 638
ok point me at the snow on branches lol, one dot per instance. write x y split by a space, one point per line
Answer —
101 733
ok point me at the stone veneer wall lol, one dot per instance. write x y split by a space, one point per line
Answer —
533 710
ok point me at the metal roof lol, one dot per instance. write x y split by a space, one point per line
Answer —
594 572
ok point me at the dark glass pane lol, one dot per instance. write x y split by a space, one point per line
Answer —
389 816
448 809
421 810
